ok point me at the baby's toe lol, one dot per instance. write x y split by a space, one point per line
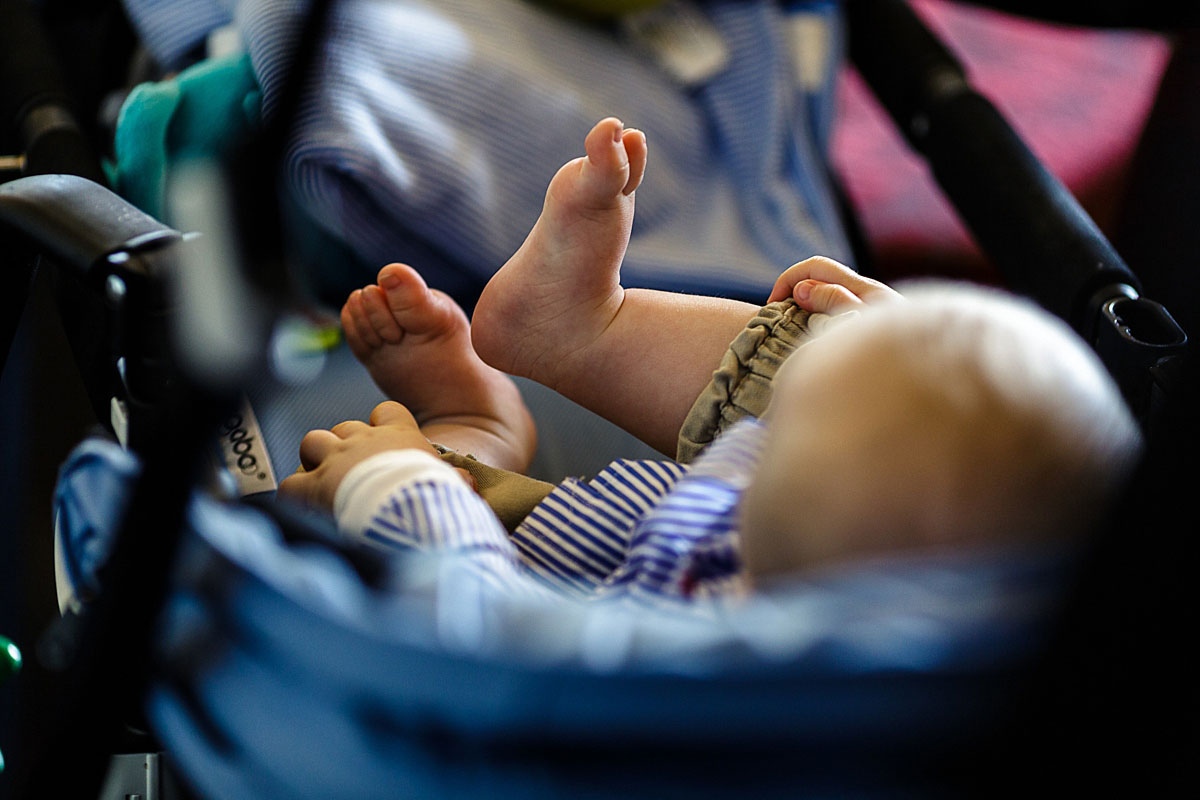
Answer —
606 170
360 333
379 315
635 149
358 347
411 302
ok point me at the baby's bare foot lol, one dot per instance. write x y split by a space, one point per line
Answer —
416 344
562 287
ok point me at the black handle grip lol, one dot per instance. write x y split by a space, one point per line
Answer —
73 219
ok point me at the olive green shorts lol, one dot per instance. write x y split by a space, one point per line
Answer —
741 385
511 495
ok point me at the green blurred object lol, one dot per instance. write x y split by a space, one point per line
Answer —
198 113
600 9
10 664
322 338
10 658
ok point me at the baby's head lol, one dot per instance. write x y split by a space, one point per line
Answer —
959 417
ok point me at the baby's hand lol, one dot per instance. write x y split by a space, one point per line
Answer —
823 285
326 456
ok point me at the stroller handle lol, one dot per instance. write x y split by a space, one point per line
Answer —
76 220
1038 235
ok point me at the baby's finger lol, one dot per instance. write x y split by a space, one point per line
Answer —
295 486
782 289
825 270
344 430
389 412
825 298
785 284
315 446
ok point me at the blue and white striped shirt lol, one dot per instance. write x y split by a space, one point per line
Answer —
645 531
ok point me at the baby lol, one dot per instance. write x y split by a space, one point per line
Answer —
951 417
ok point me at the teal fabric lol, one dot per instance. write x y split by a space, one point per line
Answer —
199 112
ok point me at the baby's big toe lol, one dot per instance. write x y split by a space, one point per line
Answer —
412 304
604 174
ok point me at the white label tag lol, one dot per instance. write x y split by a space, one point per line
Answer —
245 453
224 41
118 417
681 38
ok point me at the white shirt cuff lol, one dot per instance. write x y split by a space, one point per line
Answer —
369 484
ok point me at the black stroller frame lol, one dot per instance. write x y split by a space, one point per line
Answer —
116 269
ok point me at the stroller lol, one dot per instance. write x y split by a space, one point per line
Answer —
462 725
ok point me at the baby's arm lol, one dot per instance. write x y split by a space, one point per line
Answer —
384 482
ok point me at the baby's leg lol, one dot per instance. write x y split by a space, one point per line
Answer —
556 311
416 344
